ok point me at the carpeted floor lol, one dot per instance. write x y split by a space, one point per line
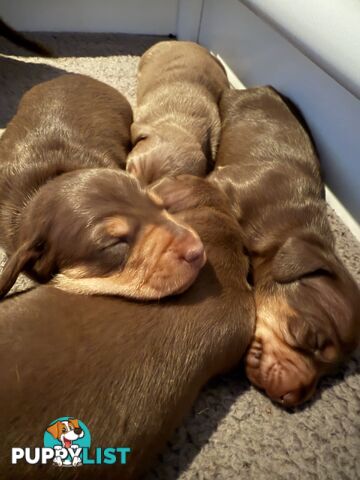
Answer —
234 432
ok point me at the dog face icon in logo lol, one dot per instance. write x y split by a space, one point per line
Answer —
67 436
66 431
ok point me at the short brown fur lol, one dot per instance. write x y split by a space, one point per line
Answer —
177 126
129 371
307 302
61 185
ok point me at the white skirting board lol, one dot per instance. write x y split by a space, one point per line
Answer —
260 55
331 199
344 214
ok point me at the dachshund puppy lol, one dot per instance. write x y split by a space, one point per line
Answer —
308 305
177 125
70 215
129 371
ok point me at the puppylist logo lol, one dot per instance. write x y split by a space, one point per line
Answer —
67 444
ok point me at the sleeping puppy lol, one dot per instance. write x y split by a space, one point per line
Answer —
129 370
177 126
308 305
70 215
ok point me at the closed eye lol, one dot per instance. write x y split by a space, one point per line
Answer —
114 242
320 272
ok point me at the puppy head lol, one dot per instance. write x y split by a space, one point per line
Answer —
308 320
158 154
96 231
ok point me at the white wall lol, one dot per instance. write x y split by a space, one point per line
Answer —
189 19
327 31
259 55
127 16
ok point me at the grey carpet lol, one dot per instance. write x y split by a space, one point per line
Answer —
234 432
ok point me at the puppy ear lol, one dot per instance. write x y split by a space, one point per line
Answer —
28 253
299 257
313 338
54 430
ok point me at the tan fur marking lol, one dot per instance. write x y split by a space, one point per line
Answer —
117 226
153 270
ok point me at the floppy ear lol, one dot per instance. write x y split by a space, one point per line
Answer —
28 253
54 430
301 333
312 338
298 257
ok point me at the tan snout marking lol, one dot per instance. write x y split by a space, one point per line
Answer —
272 312
117 226
272 364
153 270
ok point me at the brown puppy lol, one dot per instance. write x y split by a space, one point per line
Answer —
307 303
177 125
67 210
130 371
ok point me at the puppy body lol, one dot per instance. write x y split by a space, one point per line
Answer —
70 123
68 211
307 303
129 371
177 126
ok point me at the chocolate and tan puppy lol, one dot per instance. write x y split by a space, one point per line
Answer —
129 371
308 305
177 126
70 215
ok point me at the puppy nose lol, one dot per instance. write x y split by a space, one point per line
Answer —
195 253
78 430
294 397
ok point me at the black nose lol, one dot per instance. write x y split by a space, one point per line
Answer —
78 430
297 396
